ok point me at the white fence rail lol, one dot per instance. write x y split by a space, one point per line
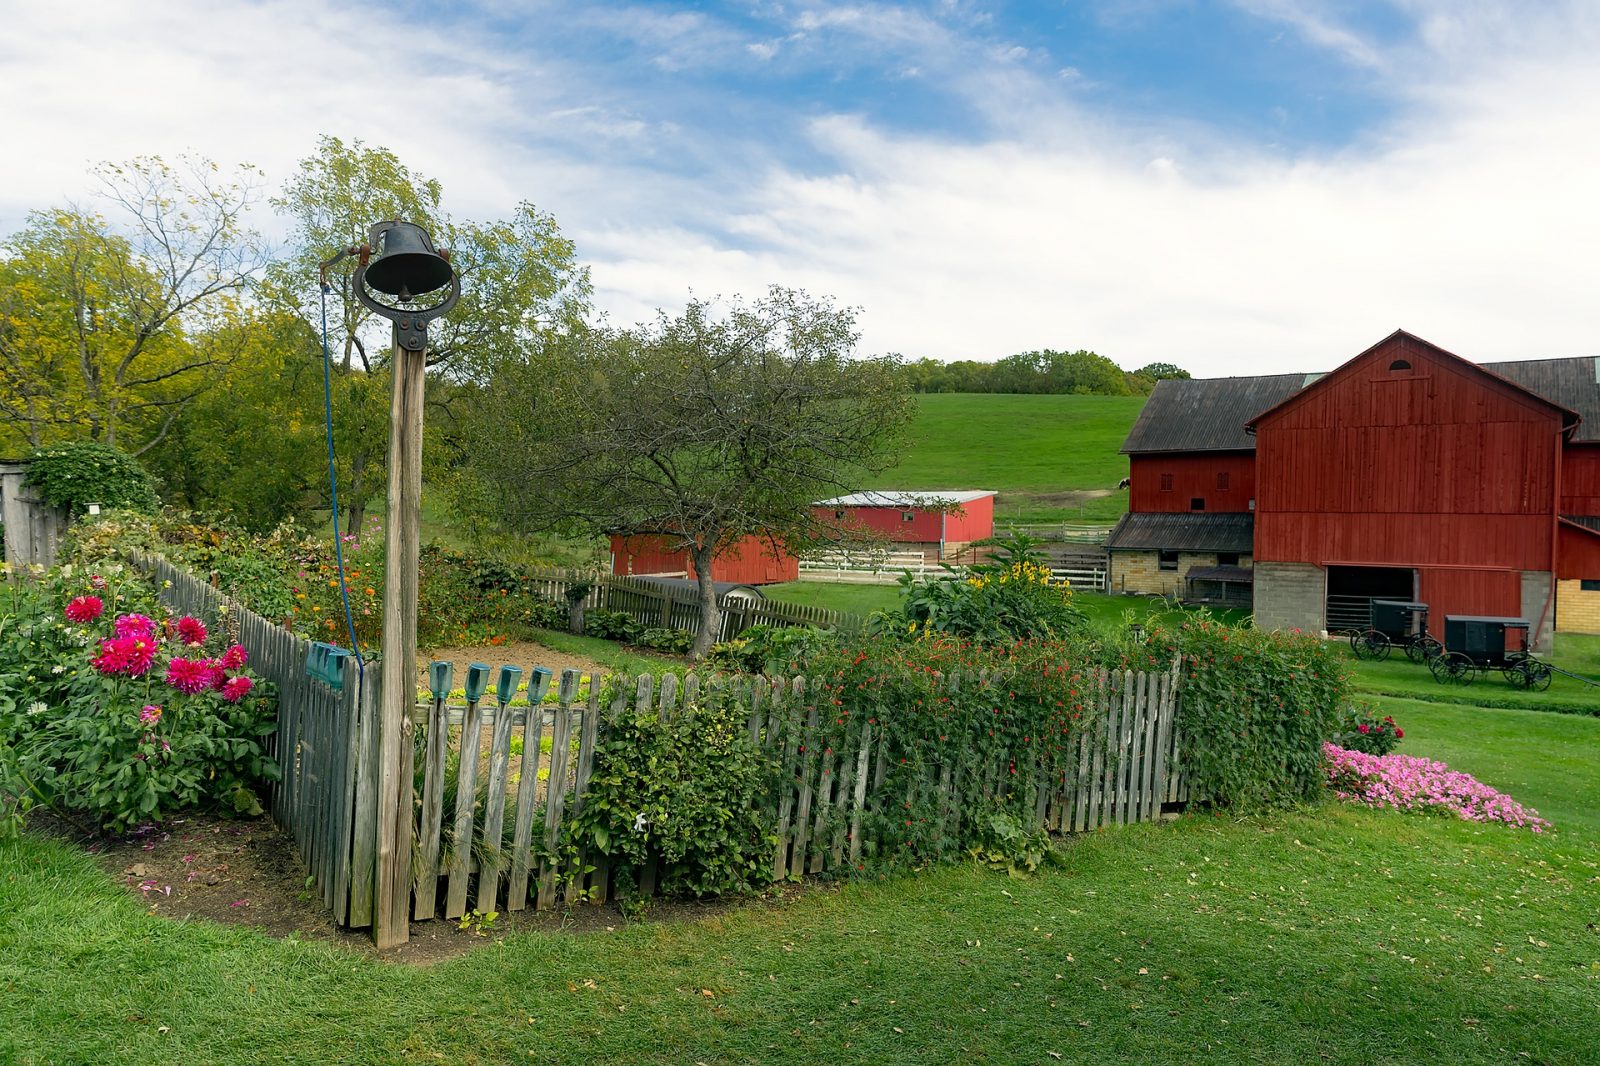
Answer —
1084 580
866 568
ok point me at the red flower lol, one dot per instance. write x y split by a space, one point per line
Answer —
237 688
129 655
192 630
1362 728
234 658
190 676
82 609
1399 733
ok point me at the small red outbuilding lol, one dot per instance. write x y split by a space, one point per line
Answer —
938 522
752 561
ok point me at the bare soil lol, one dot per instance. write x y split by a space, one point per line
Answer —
248 873
523 653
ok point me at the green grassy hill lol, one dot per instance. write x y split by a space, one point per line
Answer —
1052 458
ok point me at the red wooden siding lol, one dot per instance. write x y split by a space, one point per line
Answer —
1226 481
1439 464
1491 592
1578 554
975 521
752 561
1580 479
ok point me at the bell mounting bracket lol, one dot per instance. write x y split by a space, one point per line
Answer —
410 324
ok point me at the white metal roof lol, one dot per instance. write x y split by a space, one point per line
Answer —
906 498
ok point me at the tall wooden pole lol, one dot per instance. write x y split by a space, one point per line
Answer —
391 918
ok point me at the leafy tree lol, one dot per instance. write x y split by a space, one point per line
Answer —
1162 371
78 473
519 278
95 317
701 428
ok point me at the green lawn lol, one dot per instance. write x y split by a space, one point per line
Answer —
1399 676
1028 448
836 595
1327 935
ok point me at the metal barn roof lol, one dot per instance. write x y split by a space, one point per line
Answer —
1206 414
906 498
1183 532
1570 383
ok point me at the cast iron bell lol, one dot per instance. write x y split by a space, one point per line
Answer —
408 266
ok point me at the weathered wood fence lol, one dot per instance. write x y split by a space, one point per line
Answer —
495 783
33 528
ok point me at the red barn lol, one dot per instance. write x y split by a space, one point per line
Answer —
1407 473
752 561
919 520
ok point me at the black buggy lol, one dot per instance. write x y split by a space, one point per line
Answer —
1396 624
1477 644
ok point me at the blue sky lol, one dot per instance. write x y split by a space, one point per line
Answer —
1233 186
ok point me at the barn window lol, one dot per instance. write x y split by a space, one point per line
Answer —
1227 558
1166 560
839 513
1166 482
908 516
1399 364
1589 586
1197 503
1222 482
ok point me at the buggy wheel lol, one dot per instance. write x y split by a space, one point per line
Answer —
1452 668
1424 649
1370 644
1519 675
1539 675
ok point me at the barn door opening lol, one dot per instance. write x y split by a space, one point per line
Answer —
1351 590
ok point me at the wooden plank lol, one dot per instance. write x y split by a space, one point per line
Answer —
434 757
556 793
455 900
827 780
646 686
788 713
669 696
1101 740
691 691
527 789
1125 745
1147 754
1163 736
860 800
364 834
493 864
809 764
588 738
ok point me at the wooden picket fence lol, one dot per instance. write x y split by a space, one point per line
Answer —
489 817
316 745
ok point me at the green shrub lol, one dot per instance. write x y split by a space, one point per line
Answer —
676 641
1362 729
83 472
691 791
612 625
1256 708
770 649
1009 598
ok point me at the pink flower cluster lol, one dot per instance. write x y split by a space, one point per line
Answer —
1409 783
132 651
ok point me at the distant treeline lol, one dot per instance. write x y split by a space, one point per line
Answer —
1081 373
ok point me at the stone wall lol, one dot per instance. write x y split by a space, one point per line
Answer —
1290 596
1140 572
1535 598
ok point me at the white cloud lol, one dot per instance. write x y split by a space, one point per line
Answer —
1469 219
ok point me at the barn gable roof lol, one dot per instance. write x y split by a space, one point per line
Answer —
1206 414
1183 531
1569 416
909 499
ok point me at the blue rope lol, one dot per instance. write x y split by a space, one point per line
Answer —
333 489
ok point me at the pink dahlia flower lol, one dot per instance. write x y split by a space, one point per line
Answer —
189 675
237 688
234 658
135 625
82 609
191 630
